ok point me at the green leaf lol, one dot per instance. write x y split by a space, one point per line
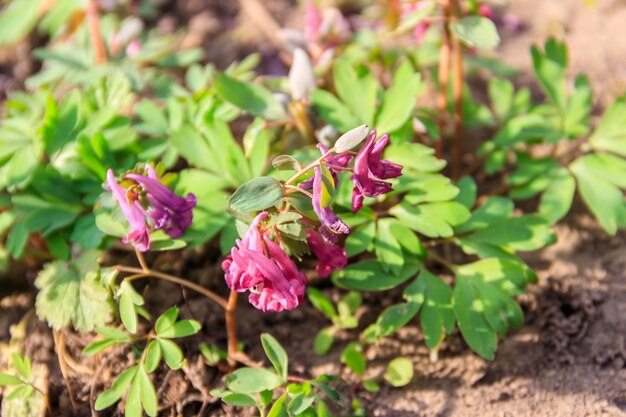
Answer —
435 296
251 98
396 316
148 394
596 178
22 365
166 320
113 395
351 302
467 192
476 31
399 100
167 244
414 157
7 379
129 298
182 328
557 199
551 69
324 340
195 148
286 162
172 354
321 302
256 194
524 128
369 275
351 138
256 143
239 400
359 240
211 353
23 391
399 372
357 88
501 93
371 385
69 295
354 359
251 380
266 397
333 111
86 233
483 302
300 403
408 240
469 310
432 219
493 210
153 356
276 354
133 400
610 135
279 409
17 20
388 249
110 225
523 233
99 346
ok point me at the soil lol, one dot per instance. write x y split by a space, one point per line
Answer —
568 359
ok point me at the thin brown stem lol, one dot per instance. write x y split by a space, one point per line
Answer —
435 256
296 188
308 167
140 273
92 389
93 22
142 260
457 75
59 342
46 400
231 326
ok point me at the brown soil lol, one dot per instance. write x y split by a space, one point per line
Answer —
568 360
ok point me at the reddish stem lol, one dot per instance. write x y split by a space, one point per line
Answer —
231 326
444 74
457 74
93 22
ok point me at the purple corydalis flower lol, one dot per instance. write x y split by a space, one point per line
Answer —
260 266
330 256
169 211
332 225
334 163
134 213
369 170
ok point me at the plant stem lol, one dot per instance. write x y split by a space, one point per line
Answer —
46 400
231 326
444 74
142 260
439 259
59 343
93 22
308 167
457 74
140 273
296 188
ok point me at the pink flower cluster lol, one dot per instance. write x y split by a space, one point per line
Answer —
260 266
160 209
